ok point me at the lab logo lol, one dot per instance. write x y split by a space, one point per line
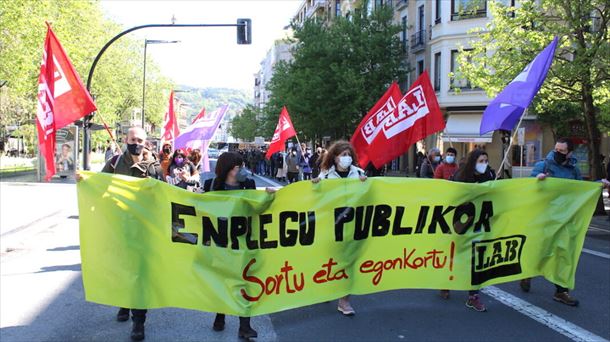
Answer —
496 258
392 119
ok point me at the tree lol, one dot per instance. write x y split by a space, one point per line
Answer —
579 77
82 30
339 70
244 126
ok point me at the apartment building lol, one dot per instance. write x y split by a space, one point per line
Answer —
432 33
280 51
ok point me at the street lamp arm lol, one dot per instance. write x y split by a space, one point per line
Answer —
87 119
115 38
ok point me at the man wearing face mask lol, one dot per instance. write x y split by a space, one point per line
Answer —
559 163
430 164
134 162
448 167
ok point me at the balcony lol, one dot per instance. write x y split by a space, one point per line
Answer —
463 15
418 41
315 6
400 4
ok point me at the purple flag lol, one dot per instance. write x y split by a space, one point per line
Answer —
504 111
195 135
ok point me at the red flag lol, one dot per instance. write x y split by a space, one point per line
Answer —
199 116
170 127
389 131
62 98
383 108
283 131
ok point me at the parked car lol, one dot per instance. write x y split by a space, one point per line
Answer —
213 153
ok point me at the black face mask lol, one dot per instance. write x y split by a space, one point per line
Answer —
135 149
560 158
167 151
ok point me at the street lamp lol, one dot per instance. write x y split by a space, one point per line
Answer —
244 29
146 42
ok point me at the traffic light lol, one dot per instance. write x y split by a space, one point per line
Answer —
244 31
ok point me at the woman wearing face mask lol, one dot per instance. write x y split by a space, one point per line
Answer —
429 165
181 172
341 162
475 170
231 175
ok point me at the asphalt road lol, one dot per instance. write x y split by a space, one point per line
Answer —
42 299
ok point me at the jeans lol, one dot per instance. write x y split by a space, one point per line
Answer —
137 315
293 177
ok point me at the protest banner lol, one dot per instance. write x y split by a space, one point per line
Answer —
147 244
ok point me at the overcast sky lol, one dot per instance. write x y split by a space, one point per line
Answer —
206 57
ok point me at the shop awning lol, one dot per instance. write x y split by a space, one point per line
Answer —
465 128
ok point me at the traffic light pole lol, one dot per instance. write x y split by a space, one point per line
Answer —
243 35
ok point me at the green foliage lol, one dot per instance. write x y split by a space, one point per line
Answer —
578 84
211 99
82 30
245 125
339 71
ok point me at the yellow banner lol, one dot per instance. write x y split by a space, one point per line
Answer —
146 244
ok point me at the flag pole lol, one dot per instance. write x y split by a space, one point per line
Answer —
448 137
510 145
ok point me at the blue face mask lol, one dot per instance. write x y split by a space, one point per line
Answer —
450 159
241 175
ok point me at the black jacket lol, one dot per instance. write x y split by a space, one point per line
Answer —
248 184
123 164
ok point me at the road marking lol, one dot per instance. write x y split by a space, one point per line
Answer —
596 253
27 225
552 321
592 227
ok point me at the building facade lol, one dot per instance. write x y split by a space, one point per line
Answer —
280 51
432 33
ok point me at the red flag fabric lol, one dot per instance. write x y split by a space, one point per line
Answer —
62 98
384 107
199 116
284 130
170 127
388 132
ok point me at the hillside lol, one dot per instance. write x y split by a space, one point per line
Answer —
211 99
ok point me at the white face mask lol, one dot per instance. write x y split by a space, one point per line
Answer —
345 161
481 167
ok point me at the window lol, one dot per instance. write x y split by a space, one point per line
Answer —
467 9
437 12
420 67
337 8
403 34
420 16
458 81
437 71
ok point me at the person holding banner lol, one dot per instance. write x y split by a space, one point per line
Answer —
475 170
231 175
559 163
133 163
341 161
